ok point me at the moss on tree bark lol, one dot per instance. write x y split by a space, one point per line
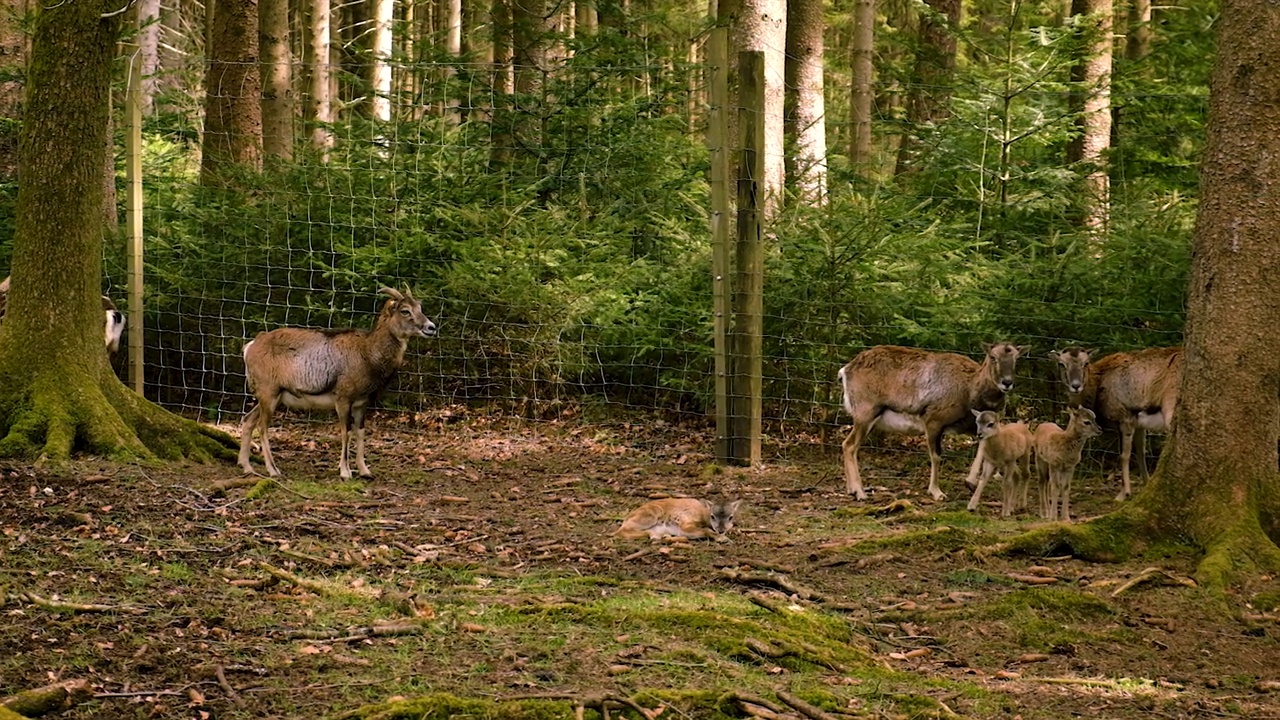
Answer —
1216 486
57 392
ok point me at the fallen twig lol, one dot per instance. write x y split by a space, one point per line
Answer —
64 606
757 598
221 674
1032 579
773 579
139 693
318 587
757 706
220 488
1153 573
355 633
810 711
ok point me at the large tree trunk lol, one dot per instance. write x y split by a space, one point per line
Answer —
863 51
277 79
1216 484
233 93
57 391
1091 101
806 111
929 94
1217 481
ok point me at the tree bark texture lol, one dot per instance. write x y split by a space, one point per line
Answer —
1091 101
529 20
320 104
762 26
148 12
806 111
57 391
863 92
1139 35
1217 480
277 79
384 15
233 93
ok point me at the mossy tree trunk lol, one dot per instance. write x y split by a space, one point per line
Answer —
57 391
1217 481
1217 484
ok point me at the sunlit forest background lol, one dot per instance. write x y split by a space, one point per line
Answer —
539 174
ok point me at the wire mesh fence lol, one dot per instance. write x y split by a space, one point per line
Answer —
560 240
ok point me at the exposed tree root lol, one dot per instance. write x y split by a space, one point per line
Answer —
50 417
1110 538
1243 549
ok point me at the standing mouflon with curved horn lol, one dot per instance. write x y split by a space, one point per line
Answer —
341 370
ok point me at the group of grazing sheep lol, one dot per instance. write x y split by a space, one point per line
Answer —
918 392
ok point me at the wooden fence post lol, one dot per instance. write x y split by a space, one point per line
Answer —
746 386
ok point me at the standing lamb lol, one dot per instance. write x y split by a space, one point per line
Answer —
1057 455
1135 392
329 370
1003 448
906 390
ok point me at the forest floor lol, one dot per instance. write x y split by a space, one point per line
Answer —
474 576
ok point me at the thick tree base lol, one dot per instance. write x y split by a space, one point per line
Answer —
45 419
1236 554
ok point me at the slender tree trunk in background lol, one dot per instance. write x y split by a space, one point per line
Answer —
585 18
501 116
762 25
1139 36
384 15
57 390
1091 102
863 54
353 23
451 21
320 105
277 79
174 64
233 93
929 94
529 57
806 111
148 17
14 47
1217 482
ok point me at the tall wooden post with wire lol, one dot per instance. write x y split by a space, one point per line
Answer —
746 334
133 214
721 223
